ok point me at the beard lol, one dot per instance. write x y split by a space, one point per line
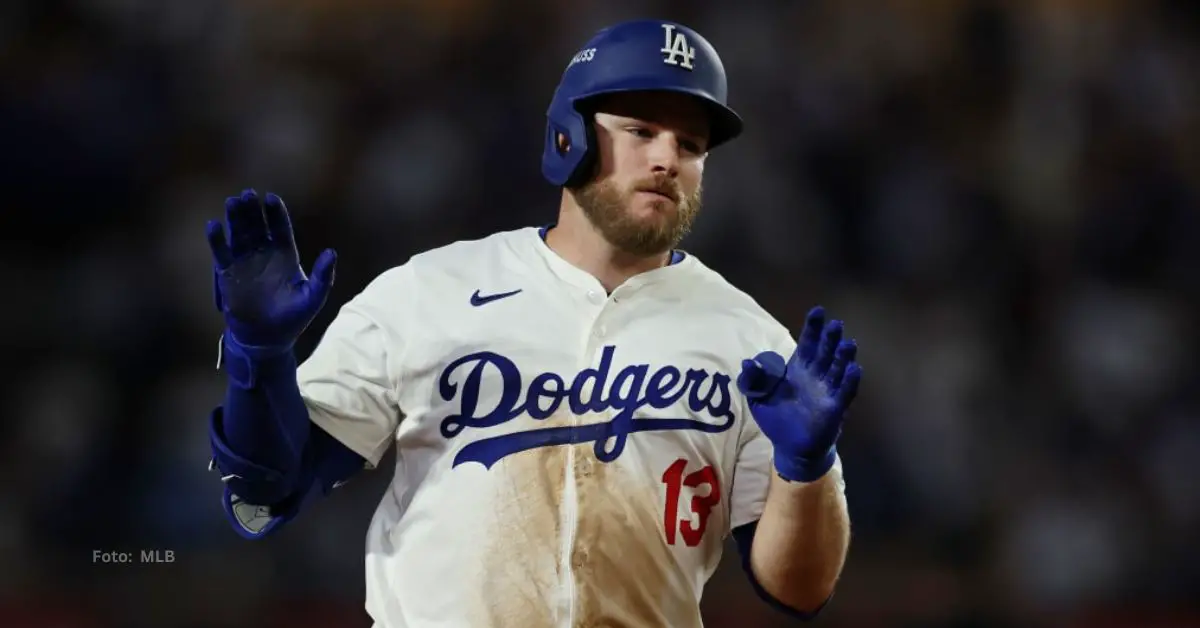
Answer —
609 209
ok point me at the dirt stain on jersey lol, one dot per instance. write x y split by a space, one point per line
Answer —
522 572
624 572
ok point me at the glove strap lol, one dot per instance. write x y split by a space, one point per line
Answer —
800 469
243 362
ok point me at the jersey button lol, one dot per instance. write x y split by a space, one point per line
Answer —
579 558
595 297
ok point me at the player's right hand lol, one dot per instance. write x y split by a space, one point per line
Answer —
259 285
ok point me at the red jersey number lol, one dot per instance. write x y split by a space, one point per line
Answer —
702 504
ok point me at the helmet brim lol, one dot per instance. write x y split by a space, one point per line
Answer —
724 123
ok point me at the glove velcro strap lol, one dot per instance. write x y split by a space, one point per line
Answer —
246 478
243 362
801 469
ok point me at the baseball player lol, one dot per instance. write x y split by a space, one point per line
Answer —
582 413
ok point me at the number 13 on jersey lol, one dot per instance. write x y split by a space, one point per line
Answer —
706 495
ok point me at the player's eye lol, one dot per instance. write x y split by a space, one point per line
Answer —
642 132
691 146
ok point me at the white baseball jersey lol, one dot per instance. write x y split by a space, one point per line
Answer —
564 457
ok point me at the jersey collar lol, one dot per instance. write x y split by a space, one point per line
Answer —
576 276
676 254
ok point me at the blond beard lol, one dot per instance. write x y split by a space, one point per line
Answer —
607 208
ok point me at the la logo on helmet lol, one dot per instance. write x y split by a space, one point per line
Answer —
675 48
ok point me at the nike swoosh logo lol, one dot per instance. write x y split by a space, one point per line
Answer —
478 300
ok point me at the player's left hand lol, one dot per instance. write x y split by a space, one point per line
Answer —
800 403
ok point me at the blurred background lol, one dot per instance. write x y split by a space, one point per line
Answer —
1000 198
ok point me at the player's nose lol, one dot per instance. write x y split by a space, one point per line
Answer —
663 153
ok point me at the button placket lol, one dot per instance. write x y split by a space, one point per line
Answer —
599 329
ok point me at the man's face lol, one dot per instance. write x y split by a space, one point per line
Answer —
650 162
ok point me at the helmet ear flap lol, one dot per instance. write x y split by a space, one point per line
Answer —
568 160
586 168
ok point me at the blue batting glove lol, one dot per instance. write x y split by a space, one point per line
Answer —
800 404
258 283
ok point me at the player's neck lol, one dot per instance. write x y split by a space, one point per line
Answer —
578 242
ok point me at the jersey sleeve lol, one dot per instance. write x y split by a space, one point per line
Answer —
751 476
754 465
350 383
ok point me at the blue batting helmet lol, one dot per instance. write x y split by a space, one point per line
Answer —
642 55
